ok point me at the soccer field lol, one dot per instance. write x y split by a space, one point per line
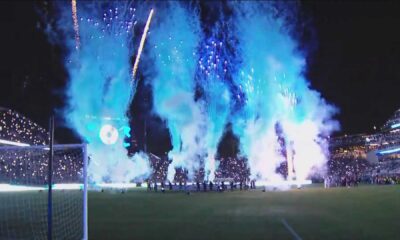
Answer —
365 212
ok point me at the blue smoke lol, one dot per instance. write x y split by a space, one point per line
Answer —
99 89
174 40
213 78
270 77
187 61
248 71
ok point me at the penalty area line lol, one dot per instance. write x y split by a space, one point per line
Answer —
290 229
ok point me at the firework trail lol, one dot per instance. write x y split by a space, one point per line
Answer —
76 24
141 45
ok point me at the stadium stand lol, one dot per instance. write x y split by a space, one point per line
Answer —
16 128
374 157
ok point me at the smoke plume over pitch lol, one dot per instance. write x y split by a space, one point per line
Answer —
99 88
277 96
213 77
174 39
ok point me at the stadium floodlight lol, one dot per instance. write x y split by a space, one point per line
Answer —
12 143
24 192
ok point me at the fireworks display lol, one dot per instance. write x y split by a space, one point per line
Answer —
100 89
23 165
173 43
213 64
244 69
270 76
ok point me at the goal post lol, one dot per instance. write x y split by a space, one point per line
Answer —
24 178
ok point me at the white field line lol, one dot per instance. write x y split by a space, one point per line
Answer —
290 229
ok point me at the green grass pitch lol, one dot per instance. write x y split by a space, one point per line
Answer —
364 212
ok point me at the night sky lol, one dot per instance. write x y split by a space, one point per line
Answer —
354 62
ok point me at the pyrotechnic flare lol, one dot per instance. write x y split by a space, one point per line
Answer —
76 24
142 40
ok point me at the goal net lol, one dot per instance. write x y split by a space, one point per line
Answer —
24 192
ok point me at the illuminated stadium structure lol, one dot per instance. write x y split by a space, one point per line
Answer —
24 157
349 141
381 149
24 152
388 152
393 123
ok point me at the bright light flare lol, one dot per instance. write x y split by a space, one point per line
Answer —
68 186
118 185
108 134
24 188
283 183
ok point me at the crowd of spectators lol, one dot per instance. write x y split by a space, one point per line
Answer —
345 170
347 165
29 166
17 128
232 168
